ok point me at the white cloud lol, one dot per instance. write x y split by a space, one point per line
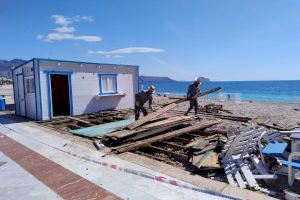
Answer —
128 50
67 36
82 18
113 56
66 32
65 29
65 21
88 38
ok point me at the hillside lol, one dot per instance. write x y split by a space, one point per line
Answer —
6 65
161 79
155 79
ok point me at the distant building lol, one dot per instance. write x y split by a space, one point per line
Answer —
45 88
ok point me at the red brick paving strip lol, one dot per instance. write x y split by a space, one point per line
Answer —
65 183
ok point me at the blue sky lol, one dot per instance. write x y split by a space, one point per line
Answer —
218 39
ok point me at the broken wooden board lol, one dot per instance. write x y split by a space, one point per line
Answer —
209 159
167 121
153 127
168 135
155 131
287 127
197 95
198 144
145 119
227 117
209 147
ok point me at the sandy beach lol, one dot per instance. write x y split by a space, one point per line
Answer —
285 115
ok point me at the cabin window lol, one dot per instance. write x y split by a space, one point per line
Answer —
108 83
30 85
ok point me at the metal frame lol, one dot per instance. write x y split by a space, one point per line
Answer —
36 106
19 102
115 86
49 90
24 89
291 175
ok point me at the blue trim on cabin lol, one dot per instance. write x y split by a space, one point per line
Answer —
70 94
19 101
77 62
100 83
14 87
24 63
40 90
57 72
25 102
49 90
81 62
36 106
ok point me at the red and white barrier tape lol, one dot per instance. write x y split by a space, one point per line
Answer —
141 173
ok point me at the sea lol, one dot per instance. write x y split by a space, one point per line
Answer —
267 91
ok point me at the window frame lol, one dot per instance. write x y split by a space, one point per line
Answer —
28 89
115 85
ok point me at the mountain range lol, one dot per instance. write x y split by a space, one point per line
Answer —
6 65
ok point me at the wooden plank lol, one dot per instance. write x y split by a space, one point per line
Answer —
150 132
201 144
167 122
198 144
207 92
82 122
123 133
201 159
207 160
198 95
211 146
156 125
145 119
168 135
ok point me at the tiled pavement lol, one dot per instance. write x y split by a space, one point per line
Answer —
62 181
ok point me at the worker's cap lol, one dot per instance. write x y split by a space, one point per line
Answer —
199 79
152 88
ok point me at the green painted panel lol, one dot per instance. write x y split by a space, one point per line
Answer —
100 130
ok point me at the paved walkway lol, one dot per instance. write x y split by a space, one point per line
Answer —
63 182
44 169
17 183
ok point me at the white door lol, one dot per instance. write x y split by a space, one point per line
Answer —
21 97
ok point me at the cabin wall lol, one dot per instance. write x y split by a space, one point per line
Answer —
29 87
16 88
26 73
85 86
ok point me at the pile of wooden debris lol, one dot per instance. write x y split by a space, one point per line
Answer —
66 124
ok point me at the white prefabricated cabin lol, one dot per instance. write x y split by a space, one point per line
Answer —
46 88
